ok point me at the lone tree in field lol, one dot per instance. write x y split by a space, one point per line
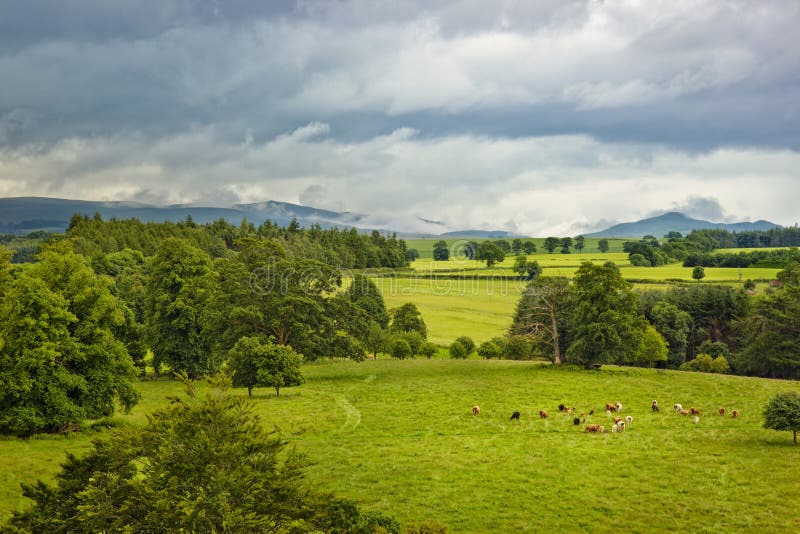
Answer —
783 413
580 242
407 318
602 245
440 251
490 253
698 273
551 243
258 362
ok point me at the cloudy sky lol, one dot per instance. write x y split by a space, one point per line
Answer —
551 116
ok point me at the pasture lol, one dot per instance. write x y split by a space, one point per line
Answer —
399 437
456 245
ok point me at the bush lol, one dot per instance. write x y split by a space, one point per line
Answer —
704 363
749 285
518 348
400 349
428 349
414 339
468 344
637 260
458 350
489 350
783 413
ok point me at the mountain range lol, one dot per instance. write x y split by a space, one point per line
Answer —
27 214
676 222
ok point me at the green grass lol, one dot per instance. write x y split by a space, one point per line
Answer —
425 246
398 437
480 308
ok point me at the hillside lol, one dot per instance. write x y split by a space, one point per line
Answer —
676 222
27 214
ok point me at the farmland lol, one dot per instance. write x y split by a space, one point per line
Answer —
398 436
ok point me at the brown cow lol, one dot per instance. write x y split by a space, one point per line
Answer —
694 411
722 412
476 410
542 414
594 428
735 414
684 412
611 407
617 419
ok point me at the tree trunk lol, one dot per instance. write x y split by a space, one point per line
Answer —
795 437
556 349
277 392
249 391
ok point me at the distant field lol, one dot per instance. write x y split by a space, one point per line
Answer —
479 308
567 264
399 438
736 250
425 246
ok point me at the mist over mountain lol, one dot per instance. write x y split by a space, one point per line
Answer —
676 222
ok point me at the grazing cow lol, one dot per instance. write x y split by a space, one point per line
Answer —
476 410
694 411
735 414
610 407
619 406
722 411
594 429
696 419
608 413
621 426
591 412
515 415
542 414
614 427
677 407
576 421
617 419
655 406
568 410
684 412
629 420
561 407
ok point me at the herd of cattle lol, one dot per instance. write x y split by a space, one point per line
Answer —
619 425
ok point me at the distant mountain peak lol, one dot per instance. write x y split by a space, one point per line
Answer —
674 221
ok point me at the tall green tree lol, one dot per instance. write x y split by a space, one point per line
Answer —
602 245
608 326
407 318
551 243
545 314
441 252
674 325
566 244
180 285
783 413
59 359
365 294
580 242
490 253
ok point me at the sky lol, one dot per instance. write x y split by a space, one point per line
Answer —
542 117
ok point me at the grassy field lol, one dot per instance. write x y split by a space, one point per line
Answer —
480 308
456 246
398 437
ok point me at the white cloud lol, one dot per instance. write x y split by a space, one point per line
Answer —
538 185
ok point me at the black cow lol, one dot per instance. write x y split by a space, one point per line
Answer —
515 415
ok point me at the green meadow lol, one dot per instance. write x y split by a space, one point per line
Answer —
456 246
399 437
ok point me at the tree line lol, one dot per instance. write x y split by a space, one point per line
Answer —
598 318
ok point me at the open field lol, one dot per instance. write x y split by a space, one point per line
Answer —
567 264
398 437
480 308
456 246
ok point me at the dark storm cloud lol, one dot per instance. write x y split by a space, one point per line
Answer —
390 107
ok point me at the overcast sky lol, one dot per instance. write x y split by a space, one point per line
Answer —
541 117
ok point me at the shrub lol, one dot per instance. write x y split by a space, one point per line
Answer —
428 349
468 344
400 349
638 260
489 350
458 350
704 363
518 348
